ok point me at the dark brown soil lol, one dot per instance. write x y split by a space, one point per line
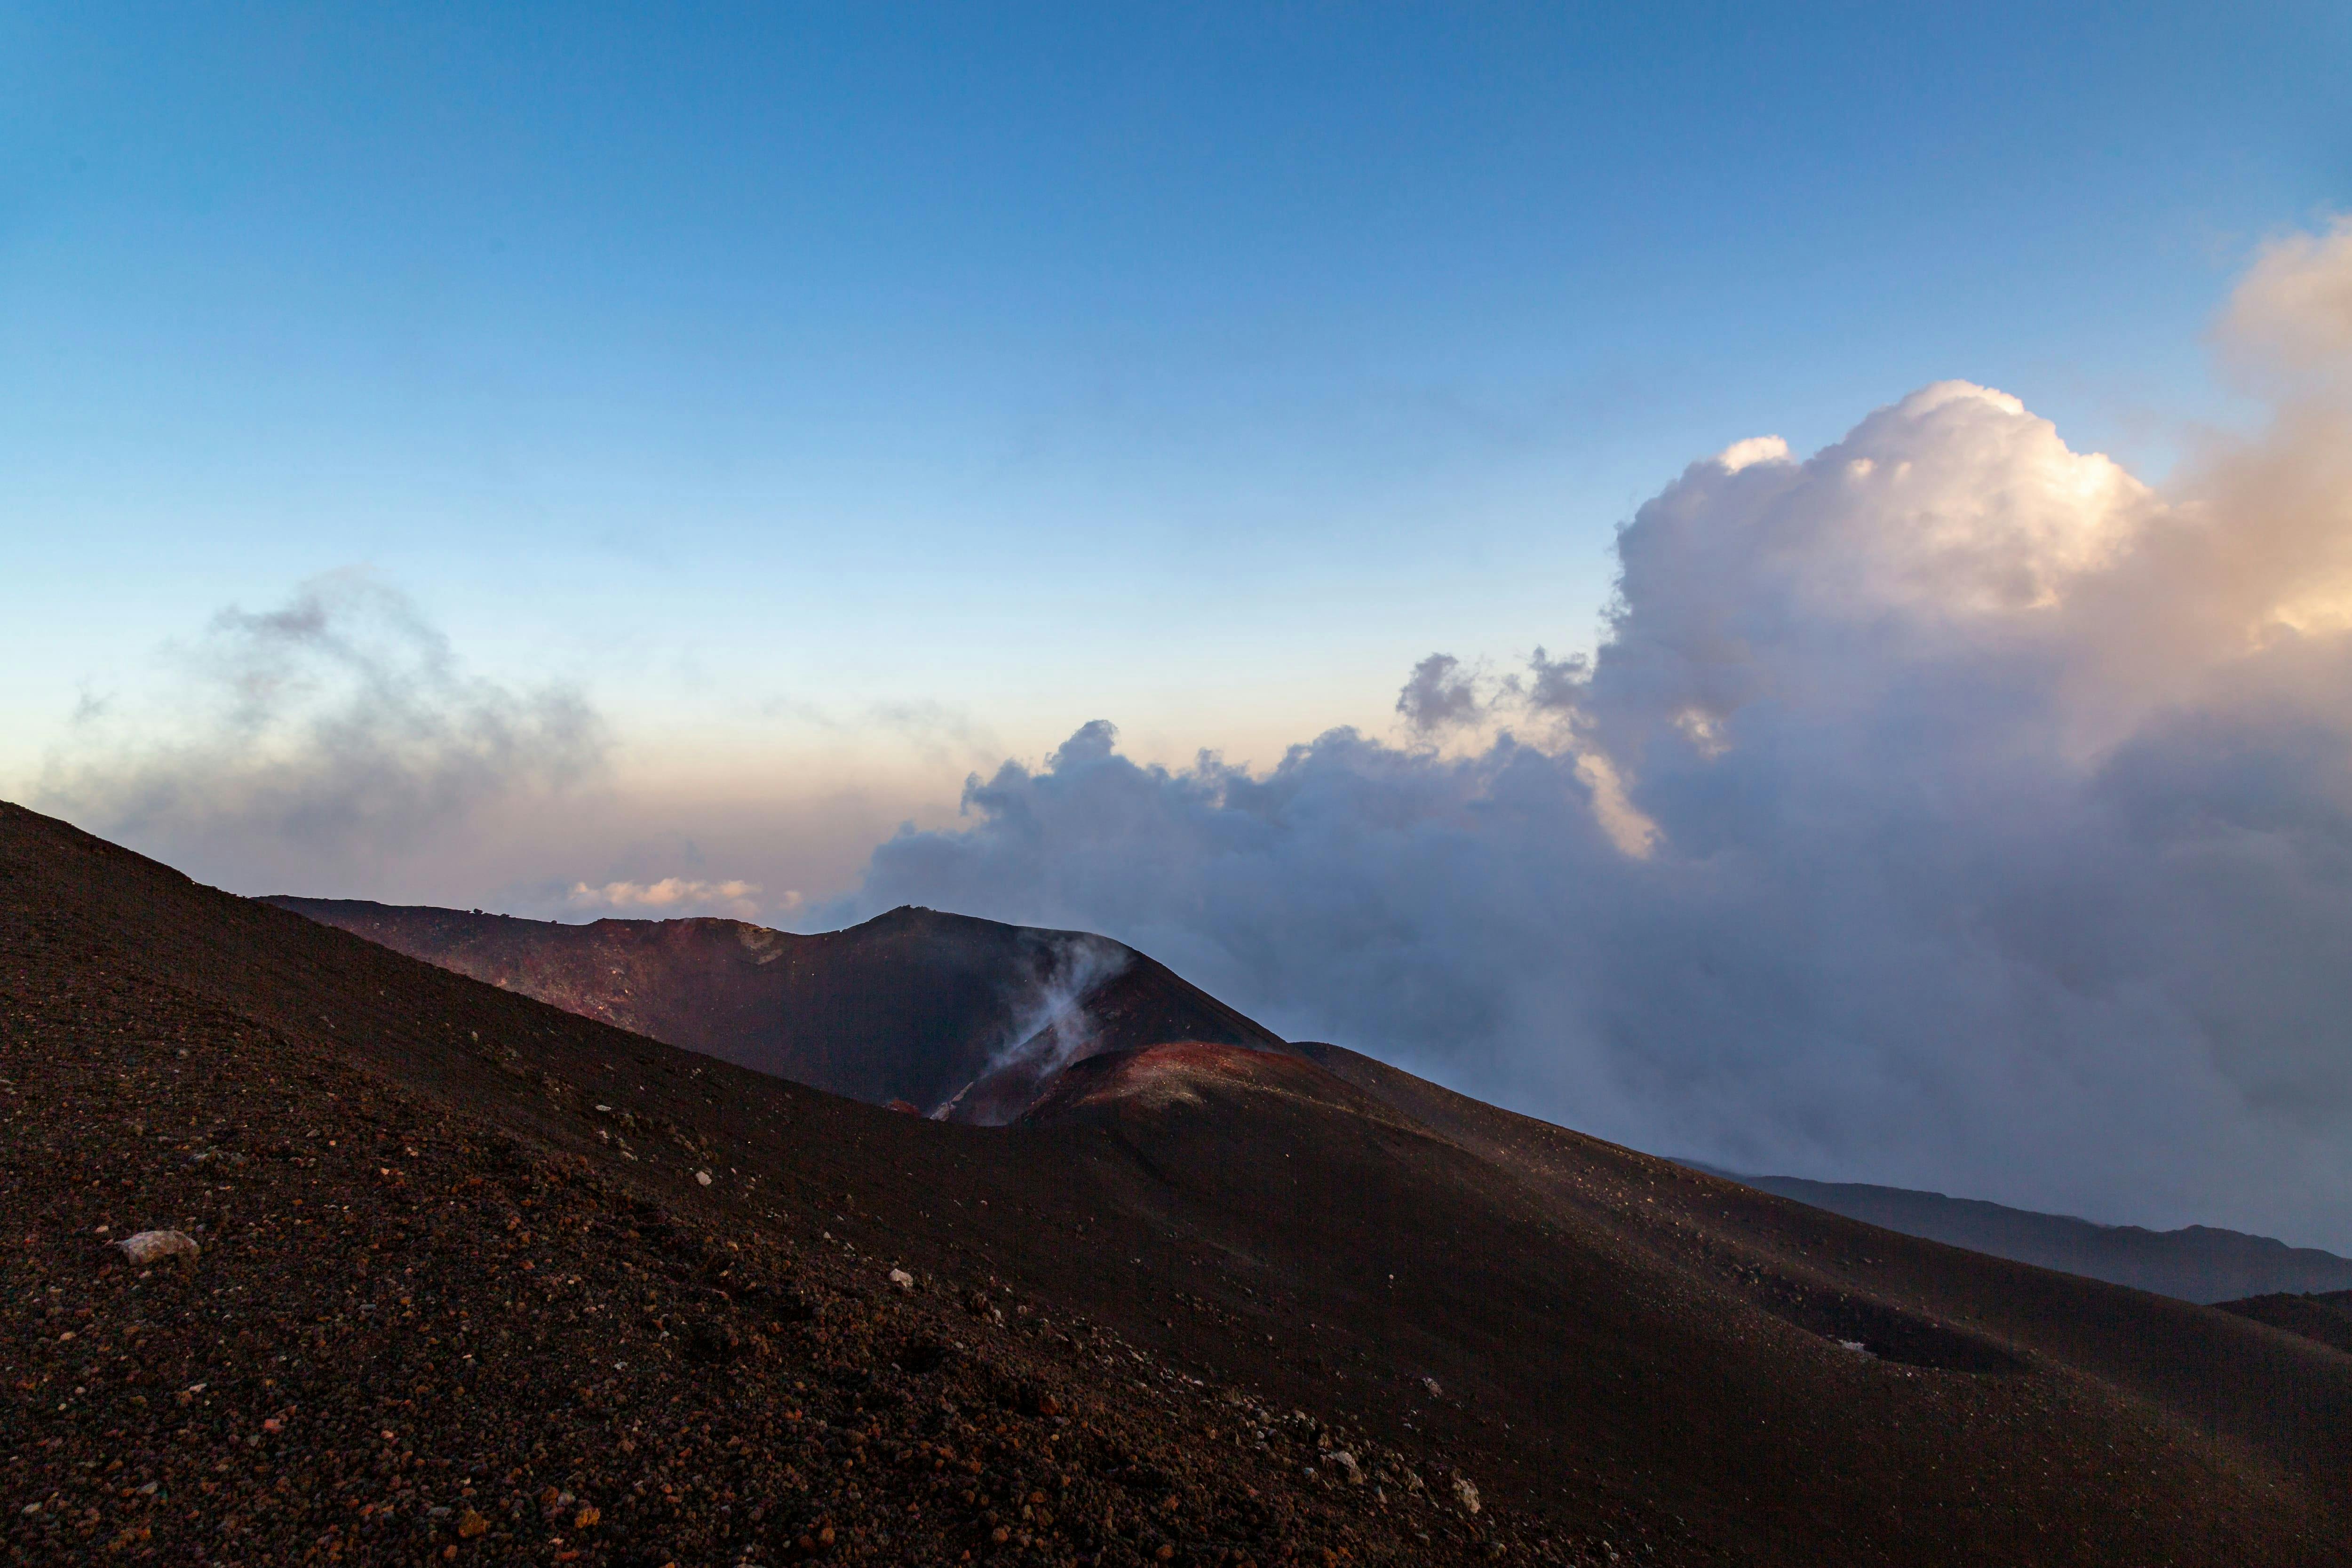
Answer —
464 1296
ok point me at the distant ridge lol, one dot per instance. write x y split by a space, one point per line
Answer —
2197 1263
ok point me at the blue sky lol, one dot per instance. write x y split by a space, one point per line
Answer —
798 381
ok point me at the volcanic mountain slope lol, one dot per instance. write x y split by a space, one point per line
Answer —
914 1002
452 1215
961 1017
972 1018
483 1280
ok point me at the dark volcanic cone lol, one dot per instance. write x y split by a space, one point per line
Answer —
953 1015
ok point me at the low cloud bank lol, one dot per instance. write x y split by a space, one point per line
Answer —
319 745
1948 808
337 746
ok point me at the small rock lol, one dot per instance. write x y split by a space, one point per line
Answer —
471 1524
1348 1466
154 1245
1431 1383
902 1280
1465 1494
702 1178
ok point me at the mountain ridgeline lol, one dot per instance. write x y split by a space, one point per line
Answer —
958 1018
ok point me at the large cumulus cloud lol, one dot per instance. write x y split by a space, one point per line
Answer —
1948 808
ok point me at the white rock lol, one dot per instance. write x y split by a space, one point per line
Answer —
154 1245
702 1178
902 1280
1434 1391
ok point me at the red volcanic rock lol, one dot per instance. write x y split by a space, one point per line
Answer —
1156 1078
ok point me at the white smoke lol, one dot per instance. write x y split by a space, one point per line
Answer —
1948 808
1051 1026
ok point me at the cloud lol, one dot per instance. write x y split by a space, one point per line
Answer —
678 896
1440 695
2292 311
336 744
321 742
1755 449
1948 808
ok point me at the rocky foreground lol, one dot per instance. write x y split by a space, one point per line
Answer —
410 1337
